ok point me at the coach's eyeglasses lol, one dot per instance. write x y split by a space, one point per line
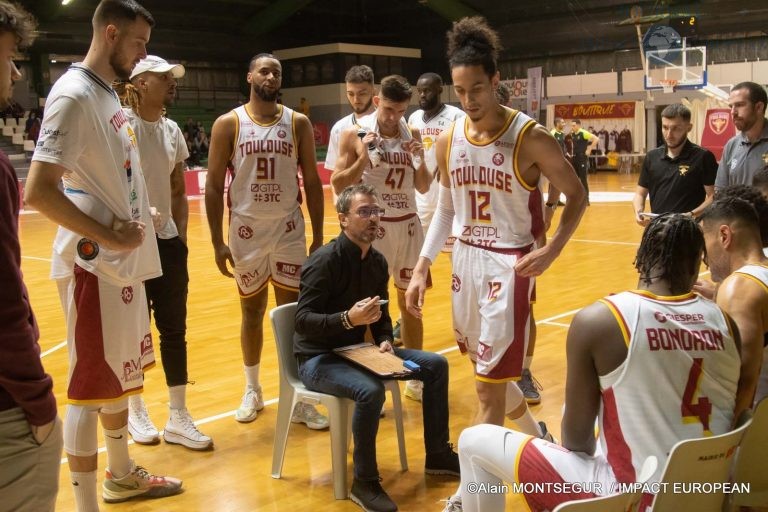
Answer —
368 212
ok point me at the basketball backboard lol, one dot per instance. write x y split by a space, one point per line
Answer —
678 68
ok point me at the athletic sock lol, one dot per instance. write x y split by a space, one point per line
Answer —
118 460
252 376
527 362
178 395
84 489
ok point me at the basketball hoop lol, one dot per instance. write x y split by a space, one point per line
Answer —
668 85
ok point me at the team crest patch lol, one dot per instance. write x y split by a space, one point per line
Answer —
281 133
380 233
498 159
245 232
87 249
455 283
683 169
427 142
484 352
127 294
718 121
659 316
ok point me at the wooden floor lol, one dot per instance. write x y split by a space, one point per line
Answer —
235 476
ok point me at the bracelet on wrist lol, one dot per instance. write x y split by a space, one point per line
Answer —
345 322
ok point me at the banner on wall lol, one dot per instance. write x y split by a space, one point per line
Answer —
718 128
534 92
518 88
601 110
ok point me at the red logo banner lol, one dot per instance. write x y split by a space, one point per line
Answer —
602 110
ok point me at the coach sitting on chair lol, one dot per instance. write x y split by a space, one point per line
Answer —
339 293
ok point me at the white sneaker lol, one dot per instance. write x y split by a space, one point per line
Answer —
252 403
453 504
180 429
307 414
414 389
140 426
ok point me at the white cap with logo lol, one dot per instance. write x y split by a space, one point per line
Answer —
155 64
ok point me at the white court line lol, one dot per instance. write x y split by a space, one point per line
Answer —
35 258
556 324
53 349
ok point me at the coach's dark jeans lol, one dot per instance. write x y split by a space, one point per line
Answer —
334 375
167 297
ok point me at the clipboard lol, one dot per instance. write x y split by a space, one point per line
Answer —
382 364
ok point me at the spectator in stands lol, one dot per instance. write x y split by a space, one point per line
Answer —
32 128
200 144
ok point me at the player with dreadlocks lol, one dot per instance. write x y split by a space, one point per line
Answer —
661 332
491 162
151 88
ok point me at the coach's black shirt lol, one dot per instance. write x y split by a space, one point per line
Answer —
333 279
676 185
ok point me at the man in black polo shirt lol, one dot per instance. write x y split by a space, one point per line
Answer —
680 176
341 287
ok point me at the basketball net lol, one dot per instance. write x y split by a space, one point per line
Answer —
668 85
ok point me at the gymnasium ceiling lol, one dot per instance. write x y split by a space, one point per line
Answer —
233 30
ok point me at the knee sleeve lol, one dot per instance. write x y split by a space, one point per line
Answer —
80 430
115 407
514 397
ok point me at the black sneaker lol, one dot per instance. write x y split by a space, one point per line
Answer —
445 462
546 434
530 387
371 497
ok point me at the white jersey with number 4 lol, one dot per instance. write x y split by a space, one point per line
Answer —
265 159
678 381
494 207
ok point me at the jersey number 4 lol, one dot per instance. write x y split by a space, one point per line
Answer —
701 410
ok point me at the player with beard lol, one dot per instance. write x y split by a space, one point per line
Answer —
265 143
432 119
359 87
679 176
163 151
104 250
747 151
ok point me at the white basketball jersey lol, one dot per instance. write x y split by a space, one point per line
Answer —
332 155
494 207
265 159
431 129
678 381
757 273
393 177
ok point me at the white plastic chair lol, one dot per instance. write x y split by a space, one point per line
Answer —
11 122
293 391
621 502
17 139
29 146
7 131
705 460
749 466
